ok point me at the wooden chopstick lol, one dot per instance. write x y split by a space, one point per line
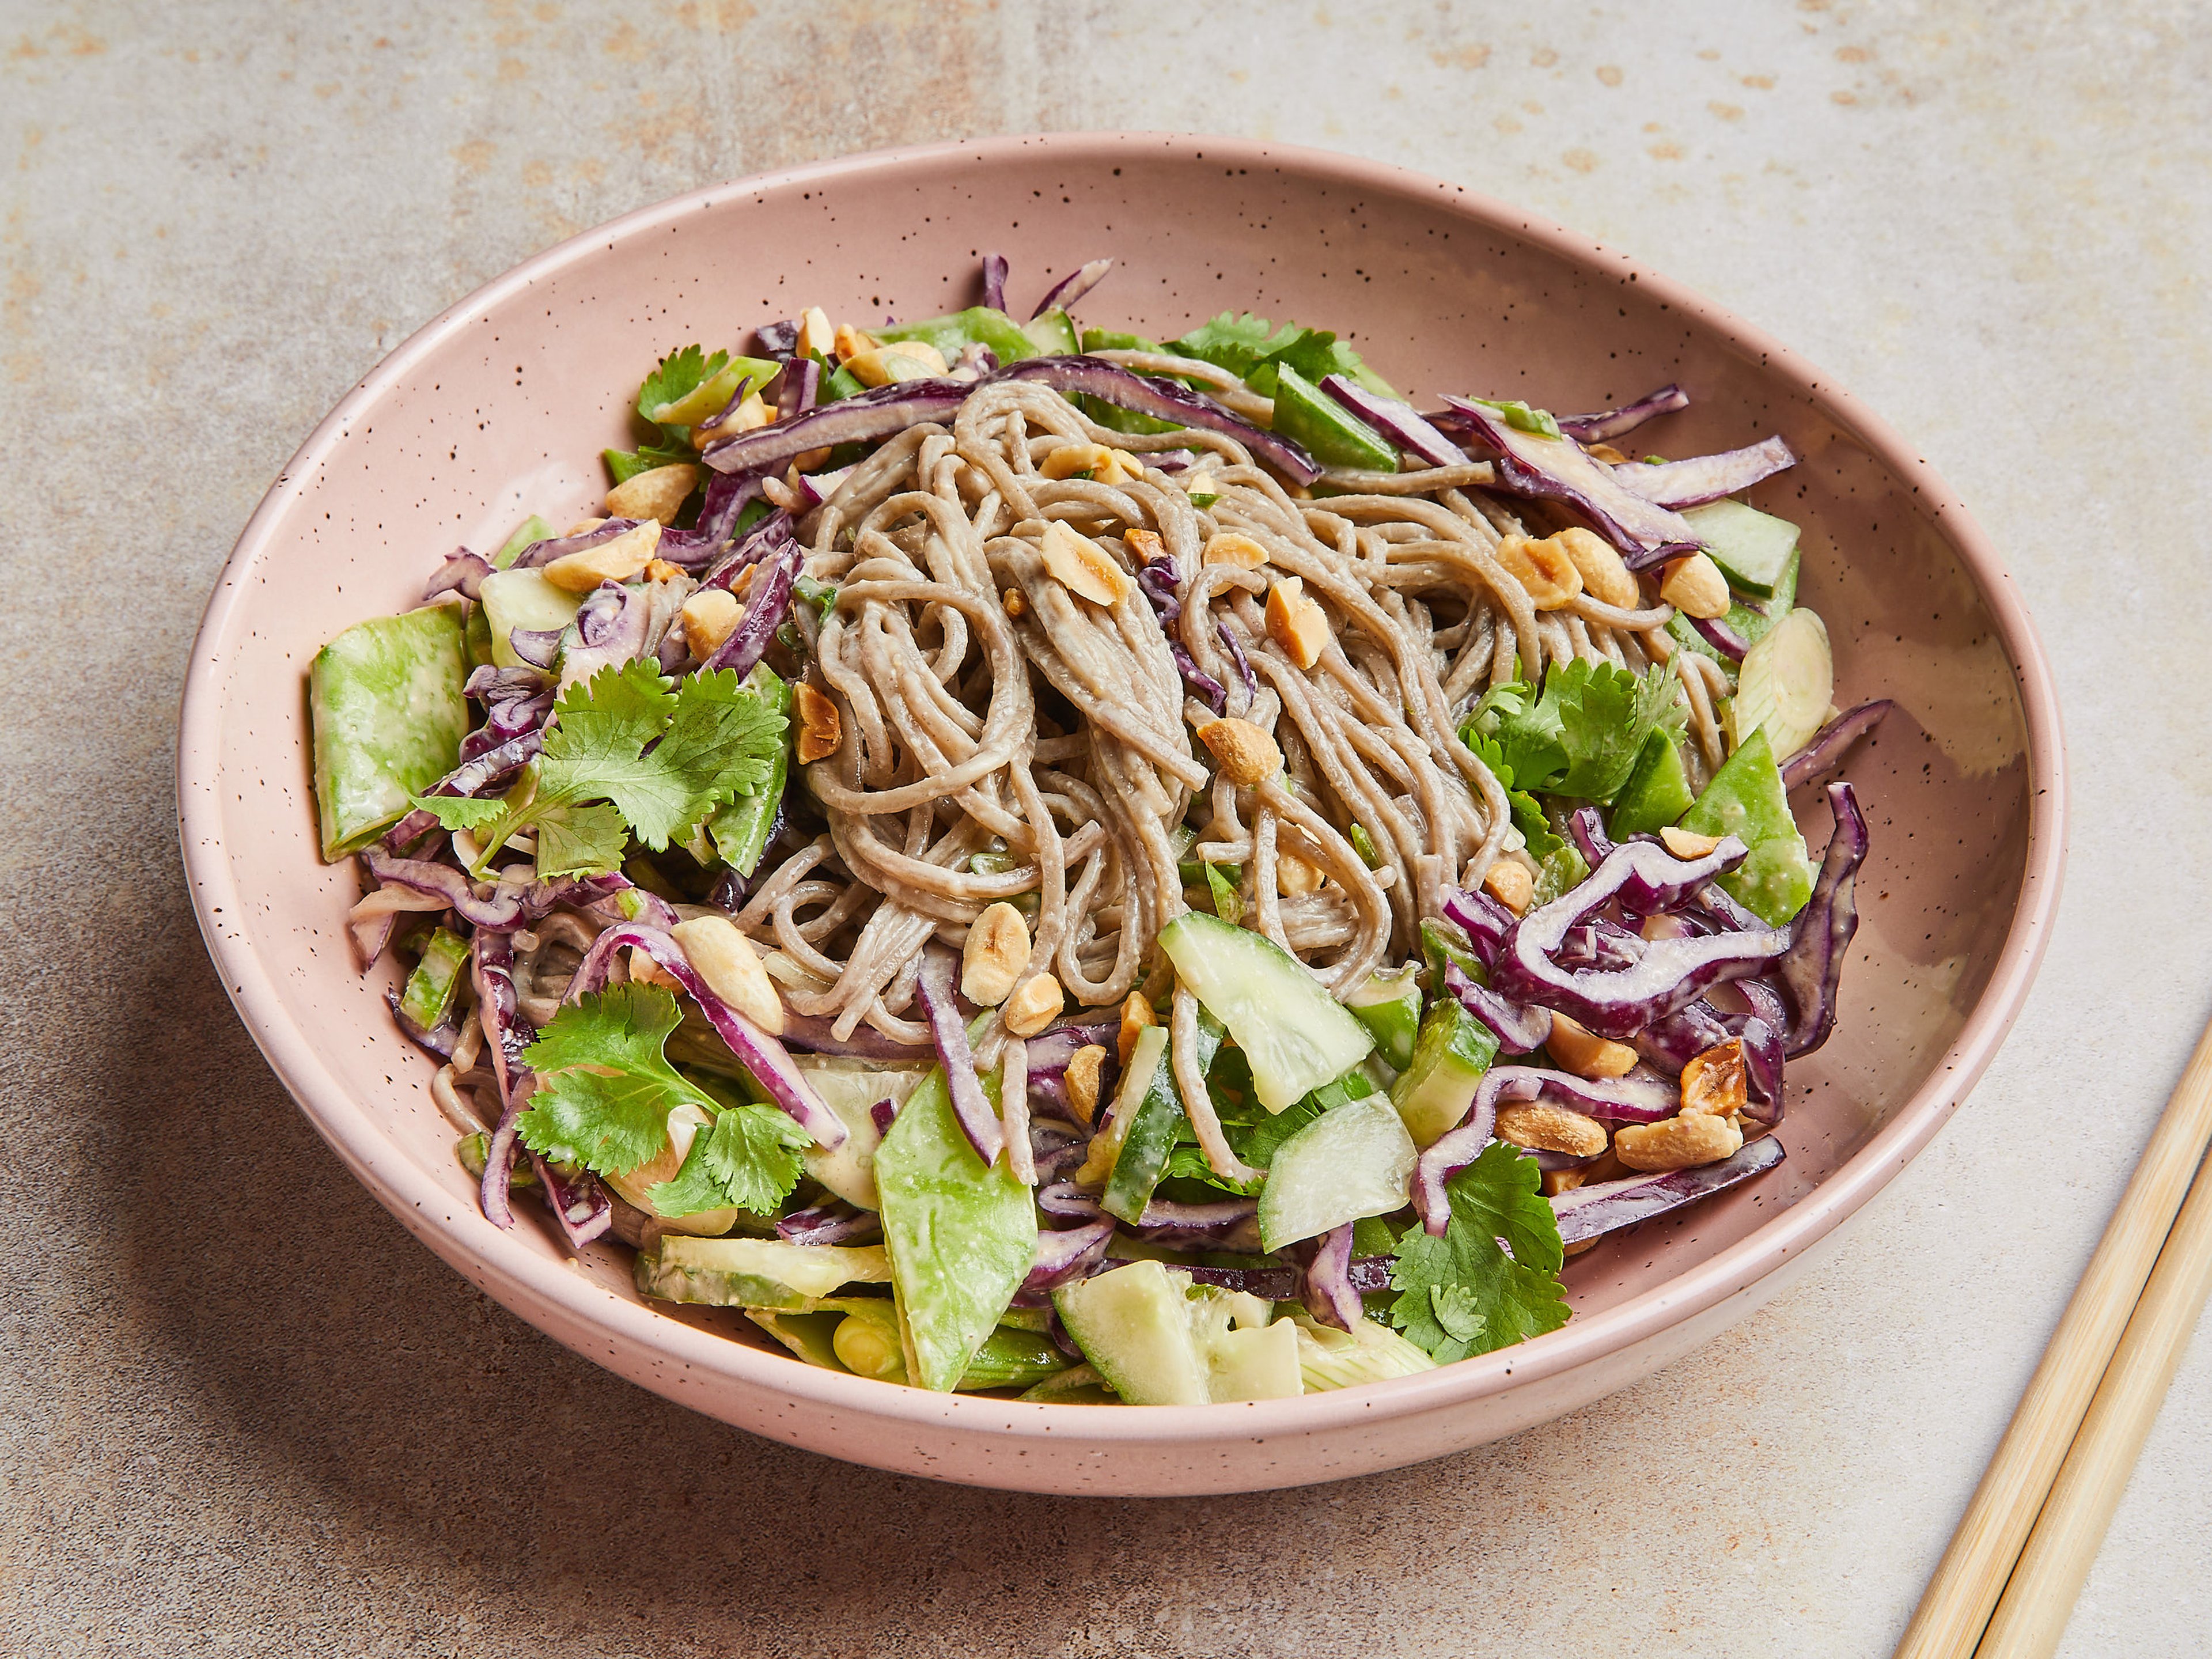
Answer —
2032 1615
1956 1608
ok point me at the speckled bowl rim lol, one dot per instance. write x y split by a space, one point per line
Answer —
527 1279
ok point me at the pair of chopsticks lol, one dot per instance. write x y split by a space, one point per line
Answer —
2008 1584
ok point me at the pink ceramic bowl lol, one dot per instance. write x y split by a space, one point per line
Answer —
499 407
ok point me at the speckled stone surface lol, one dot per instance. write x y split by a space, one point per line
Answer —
241 1412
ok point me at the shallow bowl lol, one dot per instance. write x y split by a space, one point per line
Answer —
499 408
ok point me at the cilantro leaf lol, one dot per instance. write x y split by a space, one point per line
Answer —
679 375
1580 738
581 840
1461 1294
750 1159
605 1088
460 811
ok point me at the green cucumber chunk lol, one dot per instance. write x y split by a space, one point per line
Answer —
1355 1161
1656 793
755 1273
977 326
1389 1006
1433 1093
530 531
741 828
1746 799
1295 1035
1156 1340
1369 1353
431 989
1148 1137
388 714
524 599
961 1235
1785 685
475 639
1052 334
1752 549
1332 434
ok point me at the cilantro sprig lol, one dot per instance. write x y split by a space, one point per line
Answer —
748 1160
1580 738
1463 1294
629 753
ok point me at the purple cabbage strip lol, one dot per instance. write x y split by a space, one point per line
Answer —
1208 690
771 535
766 601
1198 1227
1586 828
1401 423
476 773
1599 942
612 625
1530 464
499 1010
797 388
1071 287
1066 1201
834 1223
1764 1038
538 647
1050 1051
994 280
776 340
728 494
490 685
969 1104
1831 742
815 487
1617 423
1716 632
1163 400
761 1055
1517 1027
1673 1040
462 569
812 1034
1814 965
1328 1291
1587 1212
1678 484
1368 1274
1627 1099
1243 663
1487 923
443 881
1171 460
578 1203
883 1114
1065 1256
876 413
555 547
975 361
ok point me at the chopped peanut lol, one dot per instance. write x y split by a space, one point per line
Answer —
1079 565
1676 1143
1297 625
1606 452
816 337
1015 603
1144 546
1687 843
1696 587
1293 875
659 570
1585 1053
710 616
1510 883
724 959
1122 467
614 560
902 360
849 341
1035 1004
1546 1129
1713 1083
1605 577
1069 460
1543 568
1086 1069
644 970
1136 1014
581 525
1248 755
997 951
819 731
1561 1181
659 493
1230 548
748 417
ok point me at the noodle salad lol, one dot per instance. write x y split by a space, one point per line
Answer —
1028 857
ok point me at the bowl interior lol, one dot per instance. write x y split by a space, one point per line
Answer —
501 408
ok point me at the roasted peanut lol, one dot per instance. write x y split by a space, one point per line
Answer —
614 560
1714 1083
1510 883
816 337
1144 546
1687 843
659 570
1605 577
1086 1071
1606 452
1293 875
1296 623
819 729
1696 587
1069 460
1080 566
581 525
997 951
659 493
1585 1053
748 417
1543 568
1033 1005
850 342
710 616
644 970
1561 1181
1551 1129
1015 604
724 959
1136 1014
1248 755
1676 1143
1231 547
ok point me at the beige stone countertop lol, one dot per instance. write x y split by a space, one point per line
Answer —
241 1412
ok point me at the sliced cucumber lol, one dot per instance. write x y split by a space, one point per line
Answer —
1148 1137
1786 685
436 981
755 1272
1295 1035
1752 548
389 717
1054 334
851 1088
1156 1340
531 531
1257 1364
1355 1161
1369 1353
1389 1006
524 599
1746 799
1332 434
1435 1091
